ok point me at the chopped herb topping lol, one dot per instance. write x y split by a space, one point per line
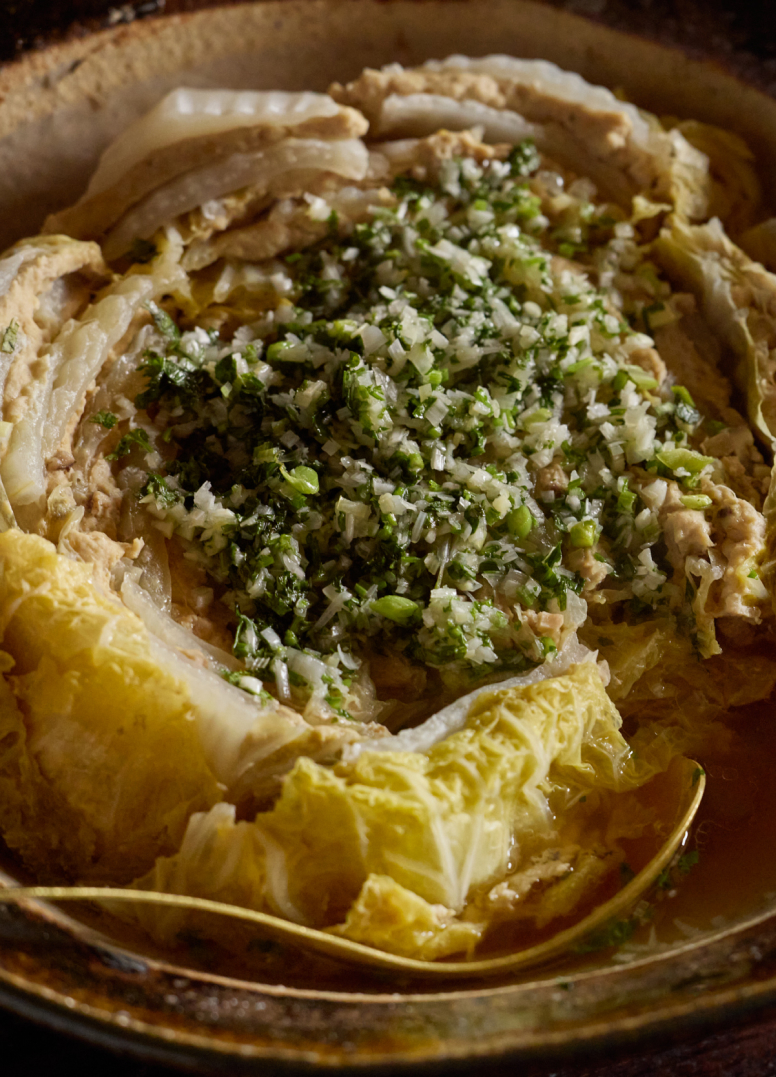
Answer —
128 442
610 935
617 932
104 418
427 442
10 336
687 861
670 877
664 880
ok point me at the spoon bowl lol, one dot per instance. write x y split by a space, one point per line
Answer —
676 816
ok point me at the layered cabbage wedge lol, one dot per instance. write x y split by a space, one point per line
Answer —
368 459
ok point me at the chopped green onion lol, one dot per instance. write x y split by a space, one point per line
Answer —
584 534
520 522
548 645
541 415
640 378
696 501
626 499
683 394
411 363
275 351
401 610
104 418
303 479
523 159
10 335
344 329
687 459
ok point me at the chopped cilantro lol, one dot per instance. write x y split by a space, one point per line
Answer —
125 446
432 432
687 861
612 934
104 418
167 376
10 336
157 488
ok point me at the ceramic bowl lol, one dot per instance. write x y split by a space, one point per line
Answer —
58 108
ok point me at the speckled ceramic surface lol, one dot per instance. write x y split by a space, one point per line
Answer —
59 108
71 978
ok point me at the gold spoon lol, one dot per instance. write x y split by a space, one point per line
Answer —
691 786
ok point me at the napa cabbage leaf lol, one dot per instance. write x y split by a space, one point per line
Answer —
102 763
630 651
110 737
398 848
738 299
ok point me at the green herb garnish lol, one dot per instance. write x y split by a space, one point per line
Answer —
104 418
10 337
129 441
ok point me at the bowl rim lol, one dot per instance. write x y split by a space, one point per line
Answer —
64 1007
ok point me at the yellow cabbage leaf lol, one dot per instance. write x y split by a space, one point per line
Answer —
392 918
629 650
410 839
101 764
736 193
738 300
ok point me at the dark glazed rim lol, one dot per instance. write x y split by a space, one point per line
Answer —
189 1046
58 973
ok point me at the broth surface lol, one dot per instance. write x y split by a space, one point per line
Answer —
734 879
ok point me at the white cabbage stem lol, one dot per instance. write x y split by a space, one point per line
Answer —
192 113
160 624
67 367
416 115
453 717
346 157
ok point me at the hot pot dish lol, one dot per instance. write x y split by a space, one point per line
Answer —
386 504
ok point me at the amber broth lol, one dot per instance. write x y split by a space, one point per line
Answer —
736 872
735 878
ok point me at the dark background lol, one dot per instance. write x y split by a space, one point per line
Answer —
742 36
740 31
